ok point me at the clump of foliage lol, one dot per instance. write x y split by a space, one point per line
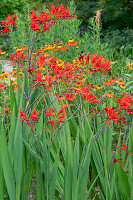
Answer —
115 14
11 7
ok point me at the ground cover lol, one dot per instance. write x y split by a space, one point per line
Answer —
66 116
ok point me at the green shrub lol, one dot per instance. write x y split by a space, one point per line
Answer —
10 6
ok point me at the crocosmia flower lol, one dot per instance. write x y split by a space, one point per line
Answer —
34 114
23 115
58 117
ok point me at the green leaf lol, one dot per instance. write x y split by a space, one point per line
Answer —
68 171
18 151
53 178
11 136
13 100
2 189
39 182
122 181
7 167
27 181
116 88
84 172
92 184
129 83
130 158
18 154
39 125
32 151
75 167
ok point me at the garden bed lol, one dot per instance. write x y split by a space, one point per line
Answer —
65 112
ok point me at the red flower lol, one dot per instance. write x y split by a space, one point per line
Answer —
9 19
124 145
88 57
38 77
15 17
126 103
43 22
34 114
61 115
59 11
49 80
89 85
69 96
41 60
48 113
23 115
88 95
40 23
18 55
51 121
7 30
63 48
99 64
112 80
109 109
2 85
59 96
115 116
30 70
117 147
116 160
81 57
52 10
57 117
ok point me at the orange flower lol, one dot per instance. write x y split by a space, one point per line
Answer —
98 87
98 16
90 85
74 44
110 94
91 71
63 48
120 82
15 85
56 49
106 82
112 80
6 109
71 42
77 83
14 71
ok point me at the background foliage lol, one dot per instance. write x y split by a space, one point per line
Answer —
115 14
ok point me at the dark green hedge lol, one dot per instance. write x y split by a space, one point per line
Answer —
11 6
116 14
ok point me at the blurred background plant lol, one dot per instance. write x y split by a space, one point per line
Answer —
116 31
